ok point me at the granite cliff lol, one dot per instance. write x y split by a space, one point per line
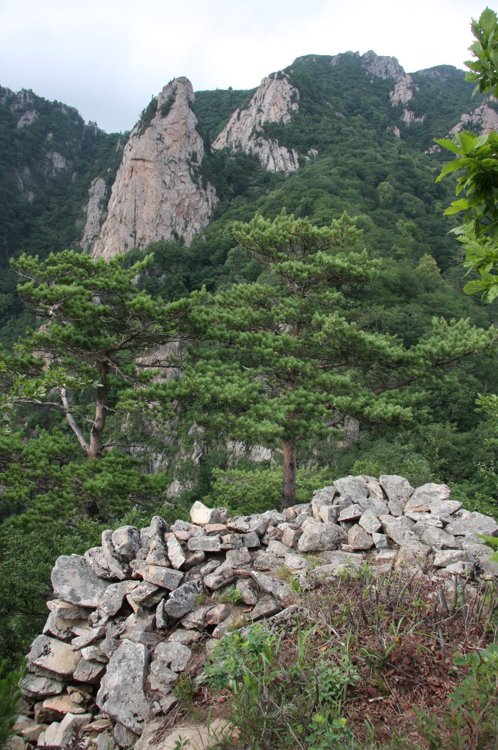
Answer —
157 193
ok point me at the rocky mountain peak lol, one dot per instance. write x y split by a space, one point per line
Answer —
382 66
275 101
483 119
156 194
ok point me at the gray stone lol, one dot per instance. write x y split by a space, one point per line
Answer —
239 525
176 656
232 541
442 508
63 735
375 491
202 515
265 607
74 581
41 687
183 599
221 577
398 491
442 558
423 496
351 513
205 543
439 539
87 636
397 529
251 540
121 694
337 563
167 578
217 614
380 540
358 539
412 554
123 737
126 542
265 561
196 620
59 627
280 590
355 487
54 656
248 591
175 552
236 558
157 554
111 600
320 537
89 671
105 565
472 524
290 537
258 523
277 548
370 522
145 593
181 635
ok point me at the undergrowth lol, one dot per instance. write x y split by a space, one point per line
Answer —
366 663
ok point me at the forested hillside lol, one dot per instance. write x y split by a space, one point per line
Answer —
175 373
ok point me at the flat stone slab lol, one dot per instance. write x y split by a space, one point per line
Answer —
54 655
75 582
121 693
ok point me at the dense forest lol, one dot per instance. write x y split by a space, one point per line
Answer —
318 322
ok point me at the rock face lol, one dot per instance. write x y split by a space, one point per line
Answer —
157 193
404 87
116 642
482 120
94 212
275 101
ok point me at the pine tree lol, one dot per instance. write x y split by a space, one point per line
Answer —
282 360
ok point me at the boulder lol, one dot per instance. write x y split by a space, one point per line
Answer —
121 694
74 581
183 599
320 536
54 656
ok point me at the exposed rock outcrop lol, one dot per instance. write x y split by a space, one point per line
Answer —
482 120
404 86
94 212
157 193
105 670
275 101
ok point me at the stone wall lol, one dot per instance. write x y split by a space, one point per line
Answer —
131 615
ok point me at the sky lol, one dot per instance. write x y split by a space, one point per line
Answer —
107 58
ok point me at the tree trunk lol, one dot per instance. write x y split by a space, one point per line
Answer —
289 484
95 445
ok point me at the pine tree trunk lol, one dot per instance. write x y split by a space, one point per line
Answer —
95 445
289 484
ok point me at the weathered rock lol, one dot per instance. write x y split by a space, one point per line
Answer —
155 194
175 552
397 528
337 563
471 524
176 656
398 491
370 522
280 590
274 101
237 558
439 539
358 539
123 737
380 540
63 735
205 544
112 598
351 513
167 578
290 537
423 496
195 736
74 581
222 576
248 591
126 542
157 554
54 656
265 607
121 694
87 636
446 557
104 565
56 707
89 671
183 599
40 687
355 487
201 515
319 536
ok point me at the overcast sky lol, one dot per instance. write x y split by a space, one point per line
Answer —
108 57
